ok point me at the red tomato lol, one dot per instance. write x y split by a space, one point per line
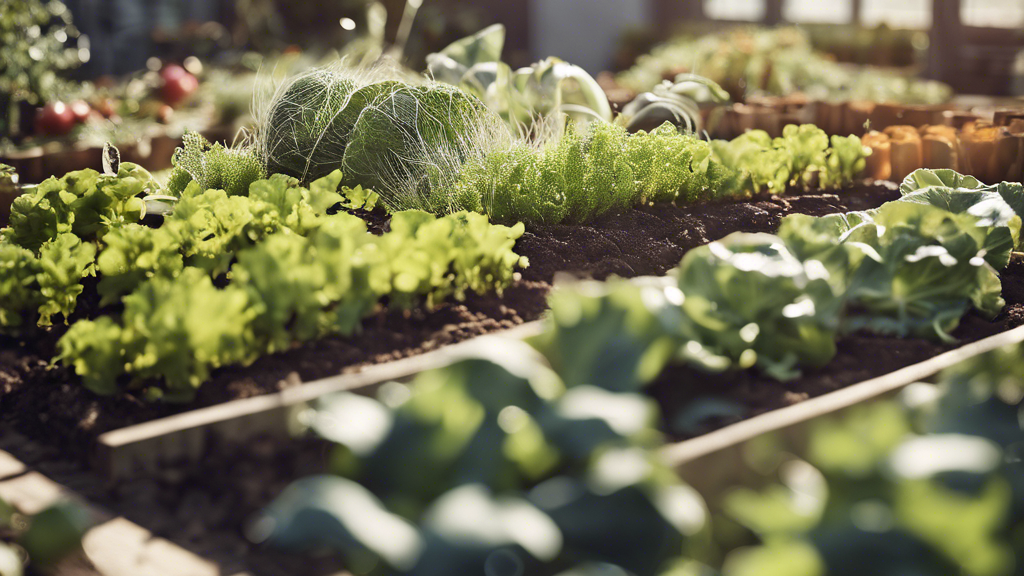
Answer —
177 89
81 110
54 119
172 71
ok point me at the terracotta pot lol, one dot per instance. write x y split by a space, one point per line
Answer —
60 161
879 165
756 118
161 150
905 152
1007 164
982 153
1016 126
923 115
939 147
1005 116
884 115
958 118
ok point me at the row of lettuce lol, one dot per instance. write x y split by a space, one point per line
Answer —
222 279
521 467
910 268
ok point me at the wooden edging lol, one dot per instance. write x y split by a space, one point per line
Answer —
113 545
714 460
144 447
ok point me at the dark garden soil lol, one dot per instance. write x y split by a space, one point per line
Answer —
44 411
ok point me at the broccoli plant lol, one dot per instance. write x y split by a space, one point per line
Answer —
213 166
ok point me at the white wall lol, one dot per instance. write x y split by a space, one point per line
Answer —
583 32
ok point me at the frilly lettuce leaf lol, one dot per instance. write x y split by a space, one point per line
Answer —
750 300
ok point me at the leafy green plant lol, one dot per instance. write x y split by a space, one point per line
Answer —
521 97
52 241
999 206
679 102
780 61
19 295
601 170
929 487
797 158
780 302
406 141
513 469
40 540
909 268
288 272
748 300
9 189
85 203
213 166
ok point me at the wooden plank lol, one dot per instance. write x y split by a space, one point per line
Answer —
716 459
10 466
113 545
141 448
118 547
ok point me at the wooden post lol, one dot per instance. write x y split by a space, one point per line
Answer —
667 13
773 12
946 41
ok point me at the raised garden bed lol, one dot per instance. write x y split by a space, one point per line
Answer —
193 455
647 241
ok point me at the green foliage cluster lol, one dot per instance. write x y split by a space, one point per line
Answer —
522 97
802 156
296 274
225 278
740 302
514 468
51 243
602 169
33 34
435 148
213 166
915 266
778 61
922 487
911 267
38 543
549 465
405 141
